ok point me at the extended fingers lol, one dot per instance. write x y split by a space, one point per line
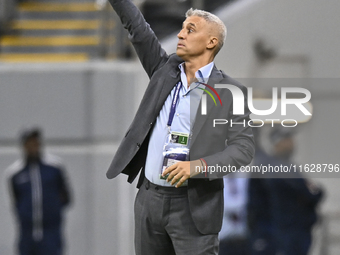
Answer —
180 178
169 169
181 181
177 173
172 175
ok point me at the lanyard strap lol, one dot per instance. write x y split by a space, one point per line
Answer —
175 100
201 76
174 103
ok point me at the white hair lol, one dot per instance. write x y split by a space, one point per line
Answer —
211 18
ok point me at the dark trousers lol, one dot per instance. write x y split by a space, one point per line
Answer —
163 224
233 247
294 241
50 244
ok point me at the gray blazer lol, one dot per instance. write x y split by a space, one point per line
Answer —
223 145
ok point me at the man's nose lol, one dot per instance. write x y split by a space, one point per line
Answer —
180 34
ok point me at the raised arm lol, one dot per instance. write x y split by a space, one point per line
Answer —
144 40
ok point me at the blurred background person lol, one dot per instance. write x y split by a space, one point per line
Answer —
233 235
289 204
293 200
39 191
260 226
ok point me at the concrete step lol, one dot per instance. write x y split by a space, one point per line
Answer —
47 32
48 40
63 1
57 7
54 31
91 50
55 10
43 57
39 24
57 15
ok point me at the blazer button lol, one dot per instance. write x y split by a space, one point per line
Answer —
138 145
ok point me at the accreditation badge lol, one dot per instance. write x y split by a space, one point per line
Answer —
175 150
179 138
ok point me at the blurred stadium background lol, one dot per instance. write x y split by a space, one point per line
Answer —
67 67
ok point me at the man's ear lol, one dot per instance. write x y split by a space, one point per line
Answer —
212 43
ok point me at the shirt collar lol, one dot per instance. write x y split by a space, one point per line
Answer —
204 72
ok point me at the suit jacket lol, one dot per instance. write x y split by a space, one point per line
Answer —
223 145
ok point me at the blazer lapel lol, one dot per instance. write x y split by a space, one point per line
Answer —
168 84
215 77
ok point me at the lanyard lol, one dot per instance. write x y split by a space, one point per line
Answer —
175 100
174 103
201 76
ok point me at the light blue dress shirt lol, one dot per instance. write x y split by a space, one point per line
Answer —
183 121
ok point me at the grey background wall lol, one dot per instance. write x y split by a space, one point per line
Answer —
85 109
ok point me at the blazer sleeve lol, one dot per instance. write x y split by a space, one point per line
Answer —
144 40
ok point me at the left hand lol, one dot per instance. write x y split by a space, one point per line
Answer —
182 171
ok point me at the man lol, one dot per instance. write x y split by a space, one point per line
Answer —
260 227
39 192
179 209
288 205
293 200
233 236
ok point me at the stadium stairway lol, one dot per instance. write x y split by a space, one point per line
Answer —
51 31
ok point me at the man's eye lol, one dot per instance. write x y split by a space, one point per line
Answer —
191 30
